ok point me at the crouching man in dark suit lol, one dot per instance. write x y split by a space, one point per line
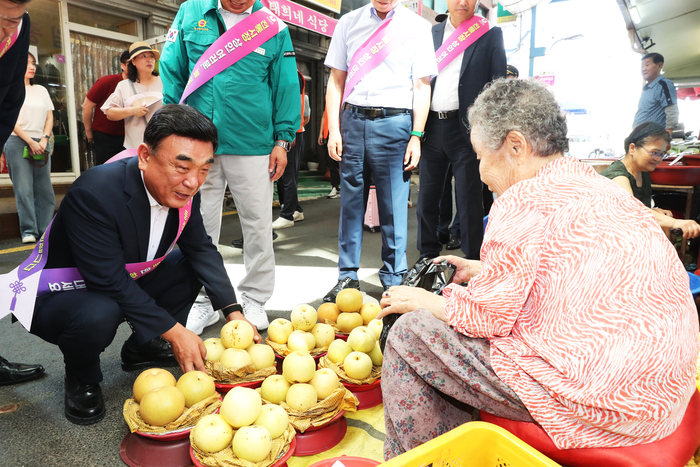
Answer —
114 217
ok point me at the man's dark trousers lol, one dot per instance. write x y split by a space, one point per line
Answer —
377 145
443 147
83 323
106 146
288 184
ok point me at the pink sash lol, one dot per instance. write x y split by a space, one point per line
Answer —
232 46
10 41
372 53
25 284
465 35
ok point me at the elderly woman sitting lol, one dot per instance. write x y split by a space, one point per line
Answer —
565 321
644 149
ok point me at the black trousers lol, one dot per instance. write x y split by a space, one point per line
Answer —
83 323
288 184
106 146
445 147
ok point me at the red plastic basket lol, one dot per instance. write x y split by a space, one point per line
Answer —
369 395
347 461
280 463
319 439
223 388
137 450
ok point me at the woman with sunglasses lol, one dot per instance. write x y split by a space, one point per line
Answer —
645 147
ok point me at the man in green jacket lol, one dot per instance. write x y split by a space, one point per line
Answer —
255 105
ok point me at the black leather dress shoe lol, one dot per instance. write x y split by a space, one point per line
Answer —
13 373
454 243
84 402
443 238
238 243
345 283
156 352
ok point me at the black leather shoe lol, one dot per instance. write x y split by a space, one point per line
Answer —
84 402
13 373
156 352
443 238
345 283
454 243
239 242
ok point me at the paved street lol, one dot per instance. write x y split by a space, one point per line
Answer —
37 434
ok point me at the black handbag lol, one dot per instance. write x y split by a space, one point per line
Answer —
427 275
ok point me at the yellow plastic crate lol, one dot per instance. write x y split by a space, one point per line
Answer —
475 444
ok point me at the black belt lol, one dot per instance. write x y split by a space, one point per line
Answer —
445 115
375 112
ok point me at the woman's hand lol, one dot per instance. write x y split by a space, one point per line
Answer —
690 228
139 111
466 268
35 147
665 212
402 299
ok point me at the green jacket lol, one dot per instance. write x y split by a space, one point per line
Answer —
254 102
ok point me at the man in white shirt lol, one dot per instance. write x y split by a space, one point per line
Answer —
447 144
379 130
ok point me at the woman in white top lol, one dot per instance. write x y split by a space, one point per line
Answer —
136 99
27 161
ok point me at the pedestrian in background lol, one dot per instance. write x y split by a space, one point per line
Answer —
136 98
29 159
658 102
288 184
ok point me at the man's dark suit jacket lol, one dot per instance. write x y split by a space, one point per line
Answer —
483 61
104 222
13 65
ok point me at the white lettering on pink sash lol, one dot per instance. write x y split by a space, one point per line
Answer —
465 35
372 53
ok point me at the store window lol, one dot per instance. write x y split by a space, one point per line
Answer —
102 20
93 57
45 42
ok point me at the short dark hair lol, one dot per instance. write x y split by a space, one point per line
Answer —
31 80
646 132
20 2
657 58
124 59
133 74
180 120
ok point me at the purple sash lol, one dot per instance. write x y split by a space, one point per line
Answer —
25 284
232 46
372 53
465 35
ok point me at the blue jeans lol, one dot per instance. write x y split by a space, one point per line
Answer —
377 145
32 186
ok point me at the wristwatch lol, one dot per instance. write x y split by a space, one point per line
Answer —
419 134
283 144
46 136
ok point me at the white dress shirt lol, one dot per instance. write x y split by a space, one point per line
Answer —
390 84
159 214
445 97
232 19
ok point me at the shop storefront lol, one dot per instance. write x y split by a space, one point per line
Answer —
75 43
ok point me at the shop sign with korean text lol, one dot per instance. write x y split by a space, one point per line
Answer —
301 16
